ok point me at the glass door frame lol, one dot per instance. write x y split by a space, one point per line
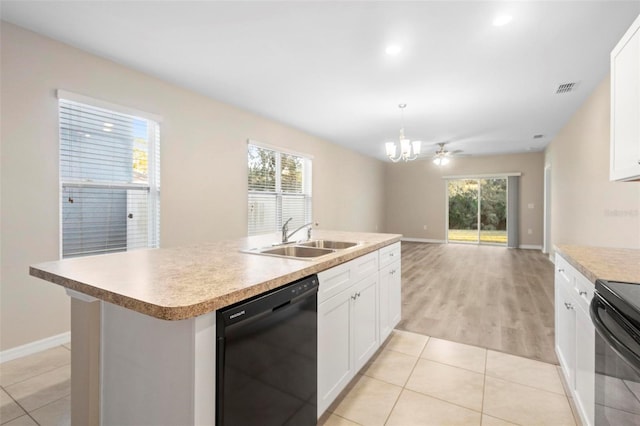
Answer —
477 178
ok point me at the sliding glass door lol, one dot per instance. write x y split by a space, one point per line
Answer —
463 211
477 211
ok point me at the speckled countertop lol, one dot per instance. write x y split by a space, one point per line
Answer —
185 282
612 264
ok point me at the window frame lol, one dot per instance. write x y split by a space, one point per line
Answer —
153 167
307 185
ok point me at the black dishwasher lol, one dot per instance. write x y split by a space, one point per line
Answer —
266 354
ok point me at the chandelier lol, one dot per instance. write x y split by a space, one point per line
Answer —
409 150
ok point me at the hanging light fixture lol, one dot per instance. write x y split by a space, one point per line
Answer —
441 157
409 150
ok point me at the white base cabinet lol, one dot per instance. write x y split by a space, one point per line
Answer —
353 299
575 336
390 289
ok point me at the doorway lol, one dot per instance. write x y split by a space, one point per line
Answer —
477 211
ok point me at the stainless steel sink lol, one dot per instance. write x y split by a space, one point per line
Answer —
328 244
296 251
303 250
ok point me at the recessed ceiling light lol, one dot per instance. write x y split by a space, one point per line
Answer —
502 20
393 49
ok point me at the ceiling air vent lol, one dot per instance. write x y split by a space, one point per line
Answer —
566 87
539 136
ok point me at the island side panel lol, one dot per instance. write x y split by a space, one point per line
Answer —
149 369
85 362
205 369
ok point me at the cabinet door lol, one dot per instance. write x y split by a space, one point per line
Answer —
565 332
625 106
585 366
335 365
364 301
390 299
395 295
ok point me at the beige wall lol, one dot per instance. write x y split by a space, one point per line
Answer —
203 169
416 193
586 208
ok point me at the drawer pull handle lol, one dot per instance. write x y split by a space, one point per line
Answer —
354 296
392 254
582 293
568 305
560 270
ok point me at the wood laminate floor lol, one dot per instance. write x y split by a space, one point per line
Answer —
486 296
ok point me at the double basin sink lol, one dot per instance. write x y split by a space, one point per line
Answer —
304 250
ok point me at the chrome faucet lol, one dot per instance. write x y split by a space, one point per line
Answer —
285 230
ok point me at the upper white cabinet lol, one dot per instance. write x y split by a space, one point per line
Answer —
625 106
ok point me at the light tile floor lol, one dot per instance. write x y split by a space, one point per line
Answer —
412 380
418 380
35 390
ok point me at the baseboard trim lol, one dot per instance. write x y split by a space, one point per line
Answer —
34 347
529 247
422 240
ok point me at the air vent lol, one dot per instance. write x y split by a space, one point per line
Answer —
566 87
538 136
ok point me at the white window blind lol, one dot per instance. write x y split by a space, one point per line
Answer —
110 180
279 189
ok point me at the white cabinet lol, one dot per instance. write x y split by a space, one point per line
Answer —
364 320
390 289
625 106
358 306
335 359
585 366
566 332
347 324
575 336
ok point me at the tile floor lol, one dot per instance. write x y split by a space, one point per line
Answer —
420 380
413 380
34 390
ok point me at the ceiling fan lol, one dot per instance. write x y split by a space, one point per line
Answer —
442 156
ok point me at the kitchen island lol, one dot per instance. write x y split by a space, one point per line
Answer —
143 322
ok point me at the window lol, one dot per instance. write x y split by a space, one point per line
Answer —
279 189
109 178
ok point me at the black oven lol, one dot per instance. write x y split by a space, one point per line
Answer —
615 312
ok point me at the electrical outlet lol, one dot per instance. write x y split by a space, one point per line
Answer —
424 227
529 231
530 205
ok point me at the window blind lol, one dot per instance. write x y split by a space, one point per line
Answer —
279 188
109 175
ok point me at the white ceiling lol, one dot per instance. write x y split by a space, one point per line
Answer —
322 67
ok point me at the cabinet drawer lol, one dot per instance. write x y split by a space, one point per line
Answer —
337 279
564 272
334 280
579 286
584 291
364 266
389 254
